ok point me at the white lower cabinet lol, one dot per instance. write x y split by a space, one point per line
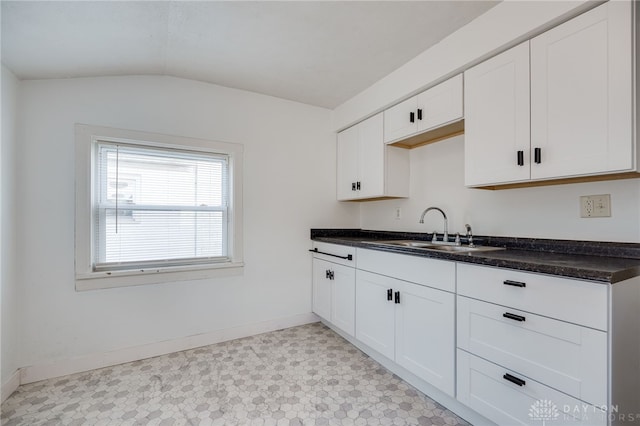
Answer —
516 347
532 346
565 356
409 323
322 288
375 312
334 286
508 398
343 298
425 330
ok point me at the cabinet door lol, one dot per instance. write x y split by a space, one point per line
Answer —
347 163
496 107
397 120
374 313
425 334
371 159
581 94
343 306
440 104
322 288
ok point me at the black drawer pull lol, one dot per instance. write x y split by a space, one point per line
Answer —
514 283
419 114
520 158
514 316
412 117
347 257
390 294
397 297
514 379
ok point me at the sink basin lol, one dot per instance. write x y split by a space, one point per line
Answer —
440 246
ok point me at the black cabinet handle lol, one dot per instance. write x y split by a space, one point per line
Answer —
412 117
520 158
397 297
327 273
514 283
537 155
390 294
358 185
347 257
353 186
514 316
514 379
419 114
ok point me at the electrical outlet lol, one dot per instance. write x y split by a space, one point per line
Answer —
595 205
398 214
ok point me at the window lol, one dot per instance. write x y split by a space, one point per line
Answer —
154 204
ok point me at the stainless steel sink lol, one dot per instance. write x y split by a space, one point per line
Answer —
440 246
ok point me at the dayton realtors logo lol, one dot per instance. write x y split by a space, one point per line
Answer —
543 410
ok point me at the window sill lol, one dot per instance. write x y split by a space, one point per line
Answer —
113 279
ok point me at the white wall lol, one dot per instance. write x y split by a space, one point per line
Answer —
437 179
9 294
289 187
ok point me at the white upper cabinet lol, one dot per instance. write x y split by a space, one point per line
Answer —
400 120
433 108
440 105
347 163
575 82
371 158
496 103
366 167
582 94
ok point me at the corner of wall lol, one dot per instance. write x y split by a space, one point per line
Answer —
9 306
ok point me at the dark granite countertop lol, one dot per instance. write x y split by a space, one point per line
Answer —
605 262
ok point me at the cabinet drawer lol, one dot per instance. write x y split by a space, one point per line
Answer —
421 270
567 357
579 302
335 253
482 387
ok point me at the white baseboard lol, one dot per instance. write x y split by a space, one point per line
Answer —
10 386
34 373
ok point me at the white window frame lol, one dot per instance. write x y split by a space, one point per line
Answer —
86 278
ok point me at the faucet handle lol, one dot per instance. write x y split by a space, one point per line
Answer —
469 235
434 239
457 240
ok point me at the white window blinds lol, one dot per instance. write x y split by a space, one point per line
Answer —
158 207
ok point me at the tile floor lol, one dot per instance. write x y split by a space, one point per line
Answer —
305 375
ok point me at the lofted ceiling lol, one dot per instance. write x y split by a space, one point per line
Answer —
316 52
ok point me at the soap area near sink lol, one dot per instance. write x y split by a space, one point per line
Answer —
443 245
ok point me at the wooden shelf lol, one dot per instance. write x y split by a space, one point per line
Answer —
561 181
430 136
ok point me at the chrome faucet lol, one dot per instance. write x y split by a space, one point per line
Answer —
469 235
445 238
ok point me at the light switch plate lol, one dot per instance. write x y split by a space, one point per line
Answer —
595 205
